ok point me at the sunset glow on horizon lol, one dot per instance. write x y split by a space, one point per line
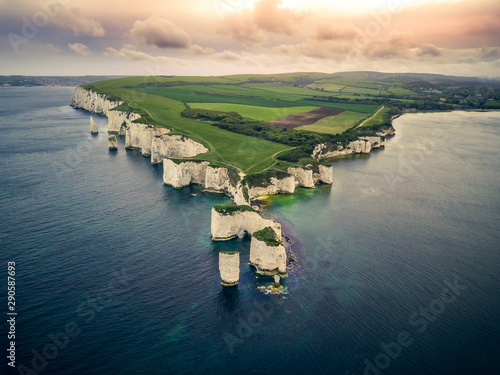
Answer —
219 37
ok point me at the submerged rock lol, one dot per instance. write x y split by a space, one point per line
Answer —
229 268
277 280
93 126
112 143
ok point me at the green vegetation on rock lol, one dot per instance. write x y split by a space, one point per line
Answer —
267 235
230 209
263 179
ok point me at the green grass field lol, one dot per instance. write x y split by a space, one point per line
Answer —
327 86
240 143
335 124
400 91
226 148
376 118
360 90
161 99
254 112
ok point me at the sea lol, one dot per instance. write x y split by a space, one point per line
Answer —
395 268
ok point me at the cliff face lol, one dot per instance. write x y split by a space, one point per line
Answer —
387 130
362 146
229 268
217 179
140 136
92 101
119 121
212 178
93 126
303 177
376 142
228 226
324 174
112 142
149 139
267 258
284 185
174 146
183 174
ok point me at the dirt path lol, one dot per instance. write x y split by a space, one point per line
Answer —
270 157
375 114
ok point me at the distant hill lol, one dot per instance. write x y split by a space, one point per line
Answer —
18 80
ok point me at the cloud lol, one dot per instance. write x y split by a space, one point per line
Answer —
243 29
72 18
334 32
490 54
228 56
79 48
429 50
160 32
396 45
129 52
198 50
49 47
266 17
270 17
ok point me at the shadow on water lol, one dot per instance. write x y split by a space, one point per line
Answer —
229 299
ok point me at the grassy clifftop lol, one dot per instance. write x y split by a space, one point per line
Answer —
235 116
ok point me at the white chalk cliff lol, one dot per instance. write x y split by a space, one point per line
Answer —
229 268
303 177
179 175
93 126
267 258
119 121
226 226
284 185
140 136
361 146
92 101
152 141
185 173
112 142
174 146
182 174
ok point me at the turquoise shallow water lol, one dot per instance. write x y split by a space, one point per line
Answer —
104 248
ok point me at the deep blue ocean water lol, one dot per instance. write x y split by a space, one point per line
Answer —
397 265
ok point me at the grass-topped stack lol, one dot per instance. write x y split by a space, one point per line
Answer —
267 253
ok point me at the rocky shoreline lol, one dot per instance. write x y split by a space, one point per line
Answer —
267 253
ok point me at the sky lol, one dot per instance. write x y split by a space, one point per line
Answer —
219 37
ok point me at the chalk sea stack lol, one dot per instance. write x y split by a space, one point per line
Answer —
267 253
112 143
93 126
229 268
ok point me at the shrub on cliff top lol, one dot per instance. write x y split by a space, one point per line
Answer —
230 210
263 179
268 235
